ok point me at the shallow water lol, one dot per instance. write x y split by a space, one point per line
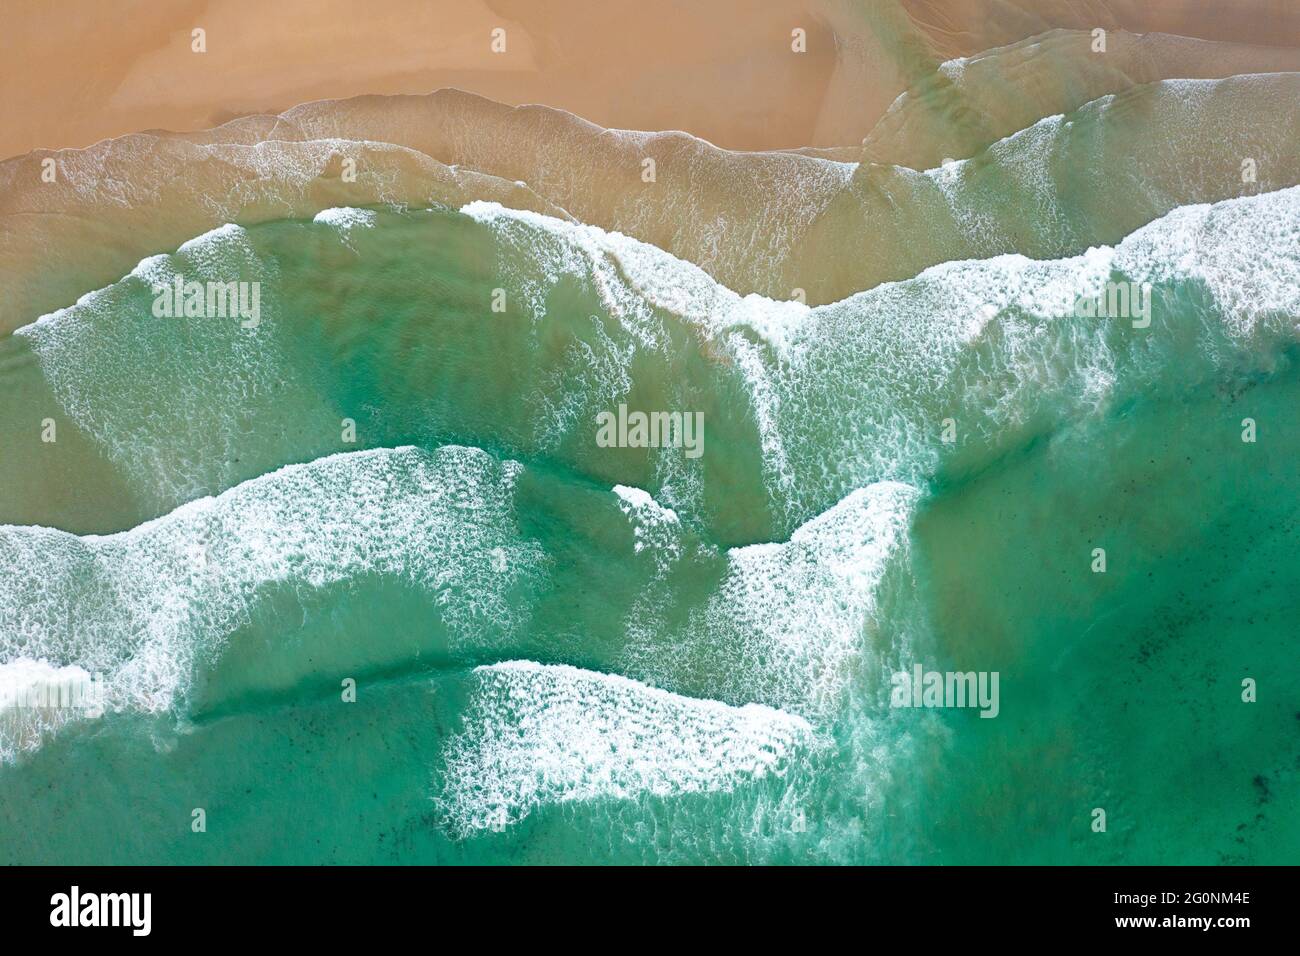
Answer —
362 584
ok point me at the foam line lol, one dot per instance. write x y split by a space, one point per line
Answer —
536 735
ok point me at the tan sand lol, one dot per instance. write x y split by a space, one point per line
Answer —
77 72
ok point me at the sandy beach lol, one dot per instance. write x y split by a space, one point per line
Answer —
77 73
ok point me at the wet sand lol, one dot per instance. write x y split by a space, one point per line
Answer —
76 73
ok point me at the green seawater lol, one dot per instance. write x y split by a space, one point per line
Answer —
712 640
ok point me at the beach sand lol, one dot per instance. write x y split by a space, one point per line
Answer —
76 73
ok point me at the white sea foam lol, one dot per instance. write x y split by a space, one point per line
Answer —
1245 251
637 283
147 389
538 734
792 623
632 277
854 392
215 238
841 395
147 608
36 699
345 218
654 527
555 248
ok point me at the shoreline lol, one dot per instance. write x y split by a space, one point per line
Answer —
726 72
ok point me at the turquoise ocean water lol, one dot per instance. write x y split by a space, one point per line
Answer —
361 586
